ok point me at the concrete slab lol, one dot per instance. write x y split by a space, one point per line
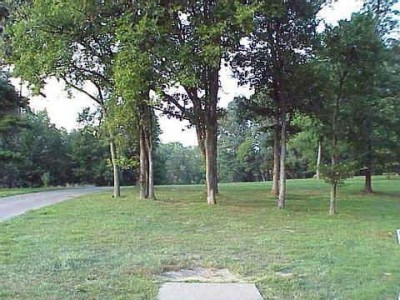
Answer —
208 291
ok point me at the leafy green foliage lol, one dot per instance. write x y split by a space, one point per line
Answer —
353 59
10 104
69 40
243 148
39 154
338 173
88 157
178 164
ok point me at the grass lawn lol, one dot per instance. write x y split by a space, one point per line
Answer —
96 247
20 191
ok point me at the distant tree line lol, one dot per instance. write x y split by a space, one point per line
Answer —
36 153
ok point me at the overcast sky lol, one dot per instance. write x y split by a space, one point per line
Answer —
63 111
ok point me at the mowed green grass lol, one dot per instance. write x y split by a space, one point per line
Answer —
96 247
20 191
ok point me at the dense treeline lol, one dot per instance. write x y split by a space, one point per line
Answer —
42 155
330 90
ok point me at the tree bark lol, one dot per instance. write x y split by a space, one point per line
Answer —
368 181
275 172
210 148
216 161
211 125
282 177
143 188
199 119
332 202
319 155
201 140
150 177
117 189
334 183
369 159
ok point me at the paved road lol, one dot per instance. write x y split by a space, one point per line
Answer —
16 205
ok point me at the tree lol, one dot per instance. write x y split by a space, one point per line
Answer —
42 148
72 41
202 34
137 74
11 123
308 143
42 155
242 146
87 157
10 105
281 42
38 153
370 105
182 165
351 53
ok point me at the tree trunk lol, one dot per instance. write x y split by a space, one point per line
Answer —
282 177
275 172
332 202
201 141
368 163
319 155
211 134
368 181
216 163
150 177
334 156
117 189
143 170
200 129
211 174
334 183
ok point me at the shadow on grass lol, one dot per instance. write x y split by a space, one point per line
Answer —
361 193
384 194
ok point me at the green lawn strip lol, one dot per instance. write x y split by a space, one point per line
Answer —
96 247
21 191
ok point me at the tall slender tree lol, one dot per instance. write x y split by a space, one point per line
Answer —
350 60
369 106
282 41
139 71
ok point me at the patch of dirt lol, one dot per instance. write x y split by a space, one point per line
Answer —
199 274
284 275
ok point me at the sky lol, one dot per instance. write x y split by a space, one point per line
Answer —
63 110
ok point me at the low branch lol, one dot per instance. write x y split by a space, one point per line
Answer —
171 99
79 89
172 114
97 74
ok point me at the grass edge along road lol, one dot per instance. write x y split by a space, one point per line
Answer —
96 247
23 191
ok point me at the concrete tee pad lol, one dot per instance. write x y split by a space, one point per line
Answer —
208 291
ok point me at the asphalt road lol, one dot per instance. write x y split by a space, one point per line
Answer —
17 205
